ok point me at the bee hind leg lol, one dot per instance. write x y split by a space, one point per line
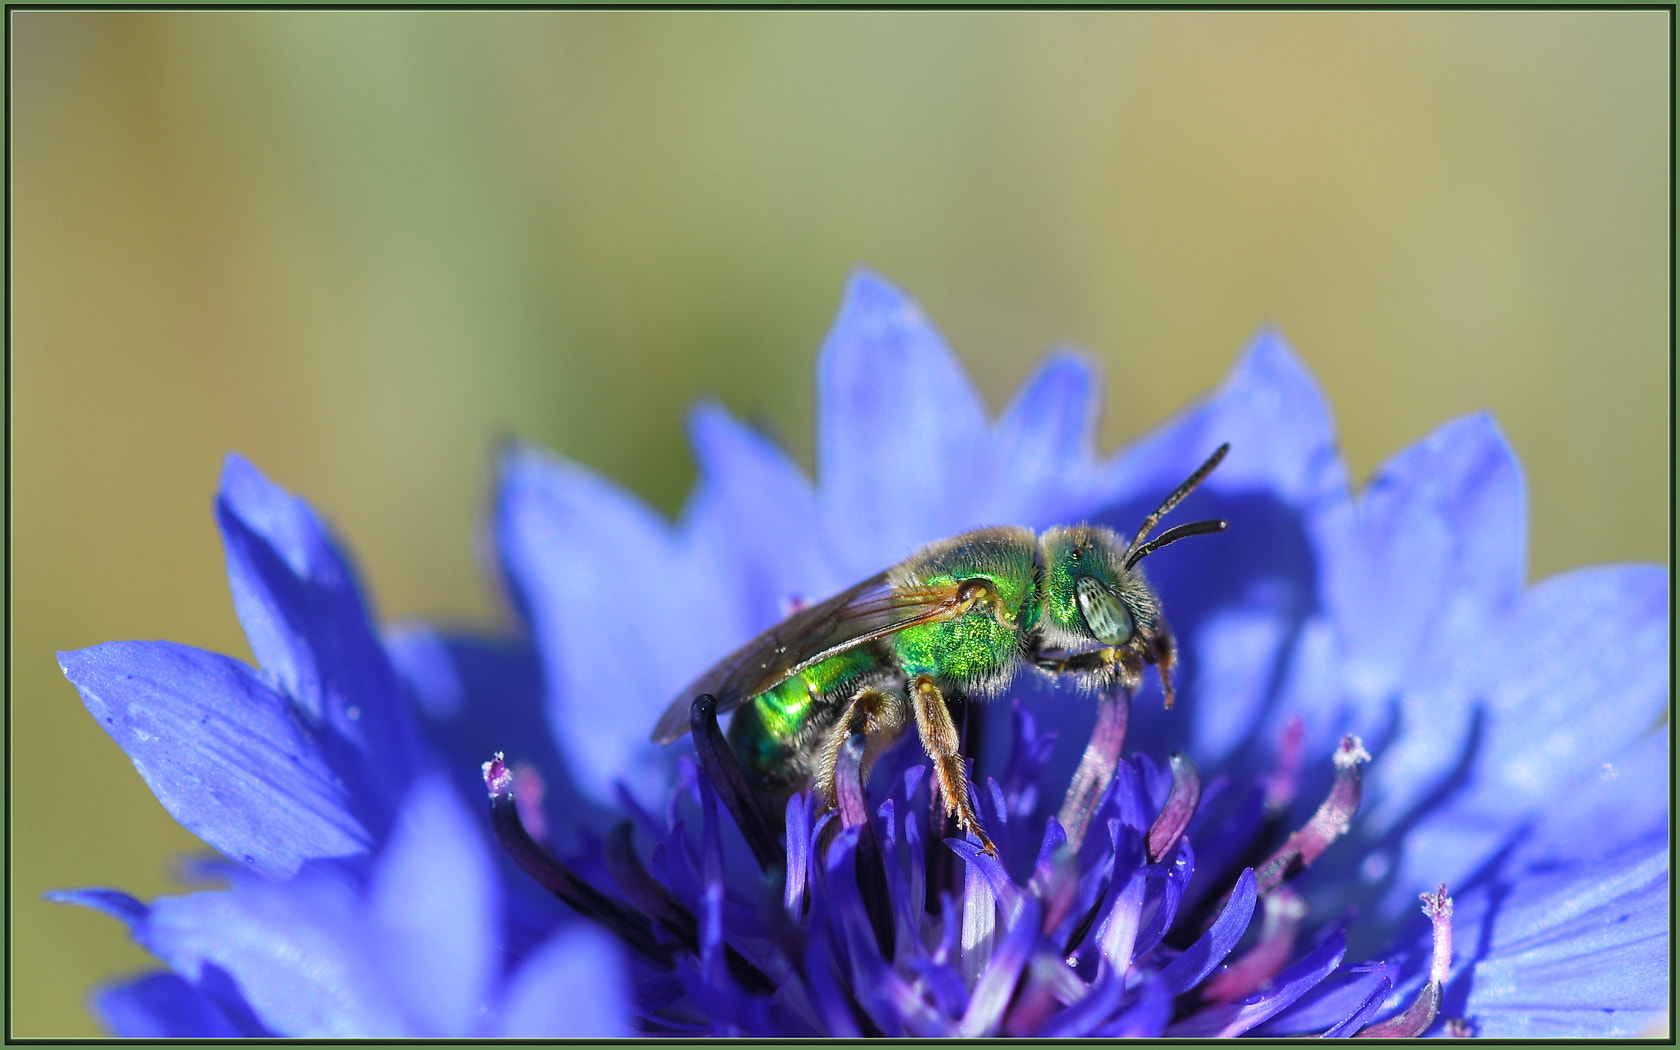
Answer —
941 742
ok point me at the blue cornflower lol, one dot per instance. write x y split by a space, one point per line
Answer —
1371 707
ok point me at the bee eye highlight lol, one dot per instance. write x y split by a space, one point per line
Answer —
1105 614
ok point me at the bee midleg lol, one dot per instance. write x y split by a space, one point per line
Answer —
880 715
940 741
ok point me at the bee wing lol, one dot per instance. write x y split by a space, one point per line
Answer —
873 609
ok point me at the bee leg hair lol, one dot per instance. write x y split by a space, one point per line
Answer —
939 740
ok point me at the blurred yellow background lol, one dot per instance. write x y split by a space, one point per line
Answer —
359 247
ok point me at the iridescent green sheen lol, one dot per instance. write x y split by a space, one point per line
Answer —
980 649
973 647
778 724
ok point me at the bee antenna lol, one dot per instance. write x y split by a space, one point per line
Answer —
1172 501
1173 535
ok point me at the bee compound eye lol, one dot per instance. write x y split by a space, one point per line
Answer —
1105 614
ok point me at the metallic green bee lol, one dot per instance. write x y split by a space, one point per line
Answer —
961 616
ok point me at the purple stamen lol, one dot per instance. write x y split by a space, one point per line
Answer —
1439 907
556 877
723 769
653 897
1096 768
1412 1022
799 814
1329 823
1233 1018
1417 1018
1182 799
1211 948
1283 911
1043 987
992 991
871 872
848 784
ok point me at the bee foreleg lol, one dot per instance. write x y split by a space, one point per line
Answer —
940 741
880 715
1111 665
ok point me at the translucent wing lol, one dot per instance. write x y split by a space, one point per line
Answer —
873 609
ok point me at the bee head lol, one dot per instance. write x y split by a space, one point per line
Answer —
1094 590
1091 597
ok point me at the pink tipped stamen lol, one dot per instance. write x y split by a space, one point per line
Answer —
1331 821
1417 1017
1182 799
1096 767
497 777
848 783
1439 907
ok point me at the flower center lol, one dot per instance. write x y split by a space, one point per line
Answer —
1119 929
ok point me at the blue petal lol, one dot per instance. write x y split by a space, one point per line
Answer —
434 908
992 992
1575 686
1579 676
1103 995
309 626
755 514
623 619
164 1006
300 953
1046 445
1582 953
1433 554
1278 424
1437 547
221 750
573 987
903 441
1342 1004
115 903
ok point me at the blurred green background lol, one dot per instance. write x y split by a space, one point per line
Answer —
358 247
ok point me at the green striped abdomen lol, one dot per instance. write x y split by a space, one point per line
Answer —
777 733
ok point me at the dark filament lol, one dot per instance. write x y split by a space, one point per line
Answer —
871 869
653 897
556 877
723 769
